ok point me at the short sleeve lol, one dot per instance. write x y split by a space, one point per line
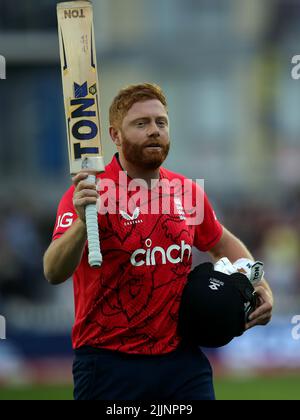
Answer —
66 214
207 233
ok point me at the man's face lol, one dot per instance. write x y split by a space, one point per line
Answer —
145 138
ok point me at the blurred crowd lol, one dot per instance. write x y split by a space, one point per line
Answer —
23 238
273 235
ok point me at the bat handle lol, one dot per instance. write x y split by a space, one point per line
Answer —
91 215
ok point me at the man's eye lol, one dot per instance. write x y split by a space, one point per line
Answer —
162 123
140 124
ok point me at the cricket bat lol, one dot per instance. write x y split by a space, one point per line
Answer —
81 100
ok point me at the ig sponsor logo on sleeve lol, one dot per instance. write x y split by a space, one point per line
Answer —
2 67
65 220
2 328
296 329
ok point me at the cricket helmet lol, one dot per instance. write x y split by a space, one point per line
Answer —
215 306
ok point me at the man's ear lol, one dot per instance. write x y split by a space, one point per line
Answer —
115 136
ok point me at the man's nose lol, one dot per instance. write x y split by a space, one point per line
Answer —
153 131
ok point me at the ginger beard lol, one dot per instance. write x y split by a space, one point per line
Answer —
143 156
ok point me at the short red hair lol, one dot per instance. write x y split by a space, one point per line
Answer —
128 96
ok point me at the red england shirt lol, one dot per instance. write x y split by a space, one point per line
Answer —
131 303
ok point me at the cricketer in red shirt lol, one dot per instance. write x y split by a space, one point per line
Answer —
131 303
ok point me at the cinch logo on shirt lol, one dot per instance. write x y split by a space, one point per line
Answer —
174 254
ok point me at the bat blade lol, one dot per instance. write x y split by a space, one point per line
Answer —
81 91
80 85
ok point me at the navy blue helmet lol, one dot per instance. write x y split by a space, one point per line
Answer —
215 306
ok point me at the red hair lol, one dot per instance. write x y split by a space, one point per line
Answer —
128 96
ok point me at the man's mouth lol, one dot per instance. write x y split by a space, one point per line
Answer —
153 146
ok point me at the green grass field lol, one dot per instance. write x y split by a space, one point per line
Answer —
277 388
264 388
39 392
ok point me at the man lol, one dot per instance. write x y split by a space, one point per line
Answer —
125 333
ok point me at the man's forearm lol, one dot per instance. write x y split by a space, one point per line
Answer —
232 248
64 255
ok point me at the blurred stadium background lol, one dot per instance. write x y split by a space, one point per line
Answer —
226 68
